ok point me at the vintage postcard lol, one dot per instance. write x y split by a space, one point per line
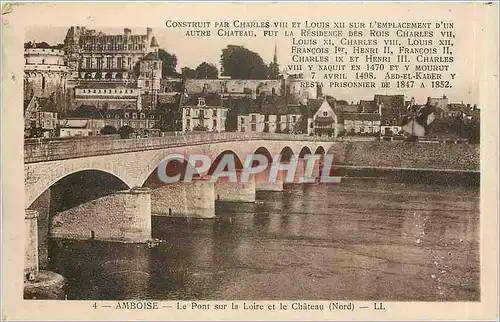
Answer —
250 161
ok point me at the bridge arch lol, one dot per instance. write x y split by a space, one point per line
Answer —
173 168
286 154
303 152
54 173
320 150
237 161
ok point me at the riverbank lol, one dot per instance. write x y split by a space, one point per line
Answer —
407 155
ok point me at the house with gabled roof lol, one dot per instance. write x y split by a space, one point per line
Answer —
40 117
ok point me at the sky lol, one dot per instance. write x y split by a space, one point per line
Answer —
191 51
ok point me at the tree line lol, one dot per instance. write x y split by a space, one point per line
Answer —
237 62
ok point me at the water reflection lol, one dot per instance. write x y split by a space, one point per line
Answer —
359 240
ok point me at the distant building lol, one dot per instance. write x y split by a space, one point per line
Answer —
150 69
441 103
235 87
75 127
362 123
390 125
40 117
87 120
324 121
110 96
203 112
273 114
95 55
45 74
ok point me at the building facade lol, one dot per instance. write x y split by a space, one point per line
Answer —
362 123
203 112
95 55
324 121
45 74
40 117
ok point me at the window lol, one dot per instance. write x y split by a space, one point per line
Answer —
88 62
120 62
254 118
242 119
362 129
294 119
126 115
254 127
43 83
214 124
188 111
109 62
214 112
201 101
43 61
134 115
325 113
147 83
202 113
143 115
188 123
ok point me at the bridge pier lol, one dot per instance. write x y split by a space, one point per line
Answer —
38 284
235 191
123 217
31 243
262 182
194 199
136 226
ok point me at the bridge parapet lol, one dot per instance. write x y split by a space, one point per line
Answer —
68 149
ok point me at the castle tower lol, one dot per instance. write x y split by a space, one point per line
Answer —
154 45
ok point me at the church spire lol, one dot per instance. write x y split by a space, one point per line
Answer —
275 57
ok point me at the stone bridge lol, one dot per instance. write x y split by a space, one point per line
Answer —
132 161
57 175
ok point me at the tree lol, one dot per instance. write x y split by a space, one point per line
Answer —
125 132
188 72
169 64
241 63
207 71
108 129
42 45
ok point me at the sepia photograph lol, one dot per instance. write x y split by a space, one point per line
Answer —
318 161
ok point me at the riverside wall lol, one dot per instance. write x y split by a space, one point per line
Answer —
380 154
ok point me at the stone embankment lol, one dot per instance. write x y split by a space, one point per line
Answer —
465 157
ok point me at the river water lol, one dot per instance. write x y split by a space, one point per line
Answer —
357 240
